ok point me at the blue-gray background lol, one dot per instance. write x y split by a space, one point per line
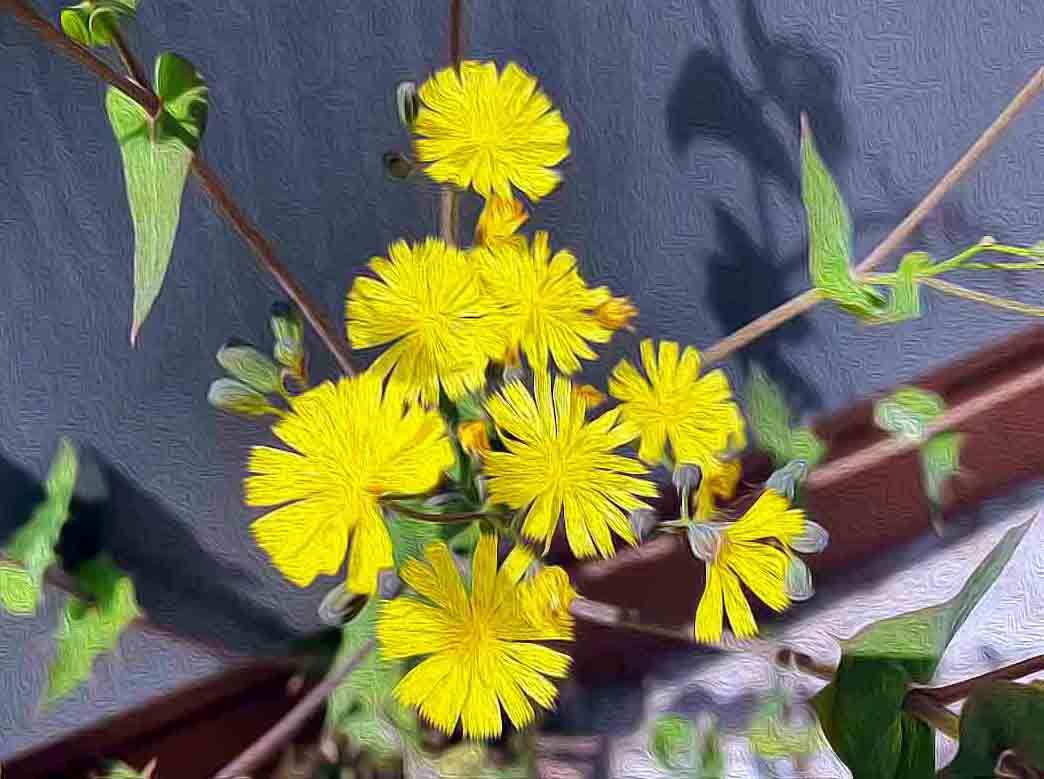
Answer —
681 191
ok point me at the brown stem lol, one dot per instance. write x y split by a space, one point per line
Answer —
449 198
265 748
805 663
130 62
424 516
933 713
806 300
223 201
63 43
960 690
608 615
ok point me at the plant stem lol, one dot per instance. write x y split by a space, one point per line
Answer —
806 664
63 43
220 196
806 300
608 615
449 201
960 690
262 750
983 297
130 62
932 713
425 516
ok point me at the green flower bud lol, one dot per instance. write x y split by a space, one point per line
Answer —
237 398
251 367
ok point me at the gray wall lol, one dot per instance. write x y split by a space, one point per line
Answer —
682 191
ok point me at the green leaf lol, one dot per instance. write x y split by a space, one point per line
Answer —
32 546
471 760
362 706
87 630
156 156
410 536
773 737
770 419
907 412
237 398
861 709
288 330
674 742
120 770
251 367
18 592
998 716
91 23
830 236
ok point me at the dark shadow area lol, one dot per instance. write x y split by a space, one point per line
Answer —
181 586
712 101
20 492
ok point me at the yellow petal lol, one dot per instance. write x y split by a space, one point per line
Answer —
710 614
303 542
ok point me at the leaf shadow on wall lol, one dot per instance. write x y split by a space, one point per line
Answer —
181 585
749 273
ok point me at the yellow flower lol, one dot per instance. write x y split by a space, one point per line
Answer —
428 304
474 438
482 645
352 441
675 405
739 552
546 309
557 464
488 131
499 222
718 480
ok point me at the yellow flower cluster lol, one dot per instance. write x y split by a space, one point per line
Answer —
451 321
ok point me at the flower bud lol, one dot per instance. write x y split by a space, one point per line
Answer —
643 521
704 541
408 103
341 606
398 165
474 437
237 398
616 313
250 366
591 395
500 220
288 330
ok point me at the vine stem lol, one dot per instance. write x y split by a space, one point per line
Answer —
808 299
219 194
951 693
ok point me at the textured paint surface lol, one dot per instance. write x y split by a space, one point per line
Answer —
681 191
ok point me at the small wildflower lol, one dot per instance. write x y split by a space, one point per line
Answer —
741 552
483 645
500 220
591 395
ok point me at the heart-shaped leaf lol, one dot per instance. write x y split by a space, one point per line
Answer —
157 153
861 710
830 236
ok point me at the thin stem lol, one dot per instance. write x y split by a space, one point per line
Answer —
262 750
960 690
805 663
63 43
608 615
220 196
983 297
449 201
806 300
425 516
932 713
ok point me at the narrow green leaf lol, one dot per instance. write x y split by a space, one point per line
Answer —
940 461
237 398
251 367
770 419
830 235
156 156
86 631
362 706
998 716
411 536
32 546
